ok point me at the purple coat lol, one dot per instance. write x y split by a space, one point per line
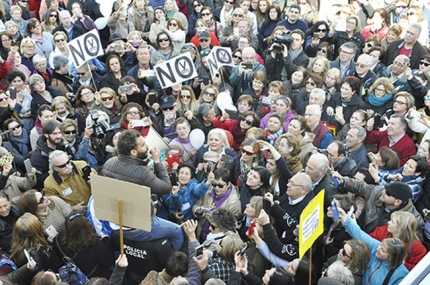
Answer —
287 119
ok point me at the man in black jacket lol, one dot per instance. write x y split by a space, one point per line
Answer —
345 64
340 161
72 31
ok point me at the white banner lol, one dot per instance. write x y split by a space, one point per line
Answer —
85 47
176 70
218 57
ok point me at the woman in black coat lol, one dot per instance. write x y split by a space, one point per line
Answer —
9 214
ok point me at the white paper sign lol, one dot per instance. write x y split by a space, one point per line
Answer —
85 47
153 139
219 56
176 70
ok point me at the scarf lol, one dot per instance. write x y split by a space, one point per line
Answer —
271 138
21 142
295 54
378 102
238 135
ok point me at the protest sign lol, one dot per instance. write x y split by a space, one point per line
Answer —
85 47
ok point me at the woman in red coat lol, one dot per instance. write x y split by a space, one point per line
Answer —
403 225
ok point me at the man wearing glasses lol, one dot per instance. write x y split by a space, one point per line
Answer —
396 73
68 179
345 64
293 22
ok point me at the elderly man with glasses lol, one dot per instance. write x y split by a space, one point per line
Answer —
396 73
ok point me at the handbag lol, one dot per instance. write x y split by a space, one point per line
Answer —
69 272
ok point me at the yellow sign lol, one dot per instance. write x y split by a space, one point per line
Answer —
311 223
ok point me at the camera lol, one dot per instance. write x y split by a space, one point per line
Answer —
278 41
101 127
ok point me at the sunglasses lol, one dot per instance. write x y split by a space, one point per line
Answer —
206 14
104 99
24 1
53 15
369 45
321 30
205 52
426 97
1 99
70 132
410 14
401 6
229 2
238 57
197 5
163 40
168 108
63 165
59 40
173 24
219 185
82 73
188 47
424 63
345 254
322 50
42 199
247 152
16 127
203 40
310 83
209 94
186 96
243 119
238 15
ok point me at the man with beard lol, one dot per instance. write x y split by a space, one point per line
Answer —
51 140
130 164
68 179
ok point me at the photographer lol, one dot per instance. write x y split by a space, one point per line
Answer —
280 55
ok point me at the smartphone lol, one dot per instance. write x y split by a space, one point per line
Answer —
236 31
243 251
12 93
351 211
234 115
335 211
377 121
209 167
51 231
268 101
316 36
152 99
173 178
199 250
227 158
125 88
86 172
266 206
256 147
27 255
119 48
206 80
28 166
163 21
247 65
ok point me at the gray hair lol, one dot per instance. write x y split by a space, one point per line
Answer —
323 163
349 45
38 58
320 92
60 61
8 23
204 109
314 108
222 136
53 155
361 132
416 27
64 13
214 281
341 273
34 79
305 180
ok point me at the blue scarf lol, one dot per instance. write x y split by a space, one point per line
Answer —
378 102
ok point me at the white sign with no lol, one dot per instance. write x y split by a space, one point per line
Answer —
176 70
85 47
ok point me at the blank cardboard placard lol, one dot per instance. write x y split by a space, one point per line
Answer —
135 198
153 139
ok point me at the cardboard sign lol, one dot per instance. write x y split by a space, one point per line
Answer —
85 47
136 199
176 70
311 223
219 56
153 139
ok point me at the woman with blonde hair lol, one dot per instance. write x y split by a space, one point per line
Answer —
403 225
331 83
232 25
107 101
28 234
352 34
380 96
208 95
64 109
28 50
187 101
319 65
217 142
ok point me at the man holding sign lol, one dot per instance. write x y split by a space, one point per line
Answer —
130 164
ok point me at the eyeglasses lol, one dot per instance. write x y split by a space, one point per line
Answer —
425 63
24 1
302 3
53 15
361 65
6 40
380 90
186 96
204 40
243 119
59 40
188 47
69 132
321 30
398 63
401 6
345 254
294 184
5 99
197 5
311 83
351 23
168 108
173 24
82 74
426 97
29 46
42 199
238 15
209 94
104 99
163 40
399 102
219 185
369 45
342 51
410 14
87 93
229 2
322 50
238 57
132 113
247 152
206 14
63 165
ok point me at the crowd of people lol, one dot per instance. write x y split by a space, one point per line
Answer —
327 96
